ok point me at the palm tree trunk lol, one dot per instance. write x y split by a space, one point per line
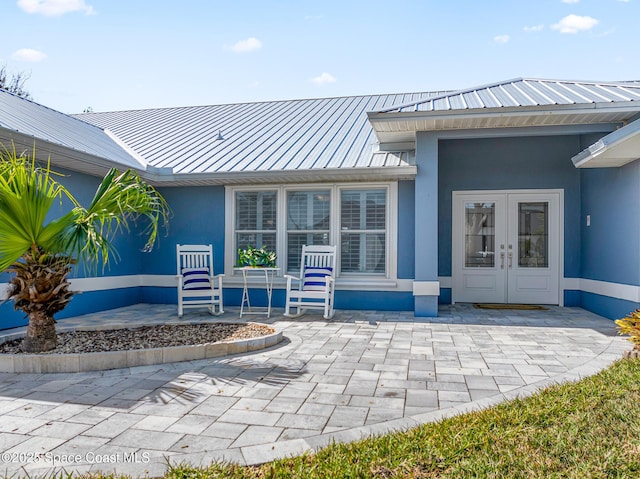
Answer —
41 333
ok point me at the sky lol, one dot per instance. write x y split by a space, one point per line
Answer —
110 55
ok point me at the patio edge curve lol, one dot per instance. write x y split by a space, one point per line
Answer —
102 361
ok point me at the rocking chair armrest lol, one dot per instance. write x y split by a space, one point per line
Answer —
291 278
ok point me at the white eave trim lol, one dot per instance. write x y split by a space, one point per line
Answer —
539 110
613 150
307 176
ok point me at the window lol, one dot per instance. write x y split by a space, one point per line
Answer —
256 219
308 222
356 218
363 226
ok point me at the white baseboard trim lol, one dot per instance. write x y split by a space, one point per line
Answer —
626 292
418 288
604 288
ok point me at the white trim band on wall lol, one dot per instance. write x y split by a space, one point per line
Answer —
625 292
426 288
105 283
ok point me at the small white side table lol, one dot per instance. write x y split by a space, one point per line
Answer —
269 273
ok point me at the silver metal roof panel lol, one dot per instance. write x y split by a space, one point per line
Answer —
311 134
525 92
26 119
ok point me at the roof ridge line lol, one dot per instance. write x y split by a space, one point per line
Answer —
339 97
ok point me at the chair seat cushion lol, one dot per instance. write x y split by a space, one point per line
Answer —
196 278
315 278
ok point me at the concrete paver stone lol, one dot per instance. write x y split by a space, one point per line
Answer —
362 373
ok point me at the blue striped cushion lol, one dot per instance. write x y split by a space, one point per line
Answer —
315 278
196 278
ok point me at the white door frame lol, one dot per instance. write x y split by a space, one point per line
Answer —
456 229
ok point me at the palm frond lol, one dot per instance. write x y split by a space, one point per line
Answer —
121 197
27 192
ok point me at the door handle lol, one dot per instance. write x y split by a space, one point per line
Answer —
510 259
502 260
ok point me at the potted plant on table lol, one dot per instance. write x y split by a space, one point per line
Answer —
256 257
630 325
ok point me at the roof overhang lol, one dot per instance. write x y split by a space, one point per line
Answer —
399 127
59 155
616 149
74 160
385 173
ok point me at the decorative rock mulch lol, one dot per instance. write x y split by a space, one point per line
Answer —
99 350
146 337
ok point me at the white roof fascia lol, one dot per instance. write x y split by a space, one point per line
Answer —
606 151
90 164
538 110
302 176
411 121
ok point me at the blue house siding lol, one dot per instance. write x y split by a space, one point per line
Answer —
406 229
198 218
611 244
503 164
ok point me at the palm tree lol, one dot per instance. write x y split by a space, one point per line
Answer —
40 254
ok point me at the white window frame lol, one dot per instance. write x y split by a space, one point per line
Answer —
357 280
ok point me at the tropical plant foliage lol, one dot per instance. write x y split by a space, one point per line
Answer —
630 325
256 257
40 253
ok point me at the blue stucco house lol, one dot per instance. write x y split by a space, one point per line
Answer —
522 191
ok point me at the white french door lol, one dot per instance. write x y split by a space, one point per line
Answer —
506 246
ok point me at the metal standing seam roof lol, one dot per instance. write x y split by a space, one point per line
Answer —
314 139
28 119
289 135
525 92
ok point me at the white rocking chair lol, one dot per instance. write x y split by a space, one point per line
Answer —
316 283
196 282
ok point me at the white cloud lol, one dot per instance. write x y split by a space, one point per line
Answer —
534 28
28 55
575 23
323 79
502 39
570 1
248 45
55 8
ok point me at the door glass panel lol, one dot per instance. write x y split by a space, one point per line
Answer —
479 241
533 235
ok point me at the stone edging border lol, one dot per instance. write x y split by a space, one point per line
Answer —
101 361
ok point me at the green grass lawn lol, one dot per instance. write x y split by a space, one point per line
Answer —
587 429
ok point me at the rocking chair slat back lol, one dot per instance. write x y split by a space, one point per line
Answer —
198 286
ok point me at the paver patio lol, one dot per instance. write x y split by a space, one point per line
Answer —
362 373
